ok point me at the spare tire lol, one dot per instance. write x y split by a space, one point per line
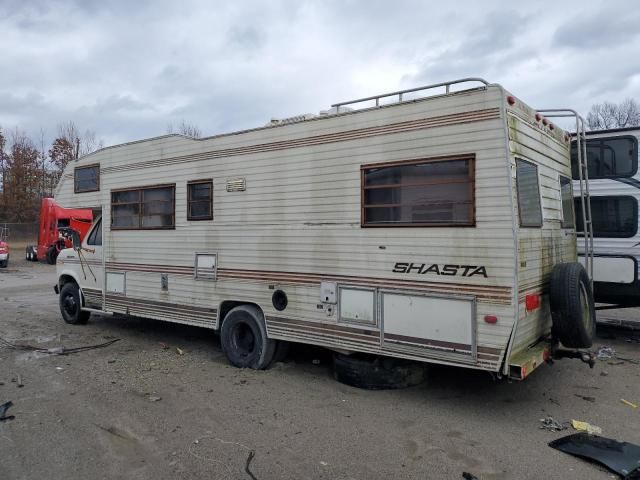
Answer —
376 373
572 307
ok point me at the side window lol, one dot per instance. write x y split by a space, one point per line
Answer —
528 194
143 208
86 179
566 196
200 200
419 193
95 237
613 217
611 157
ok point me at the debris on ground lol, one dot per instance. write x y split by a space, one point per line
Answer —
584 397
164 346
469 476
604 373
586 427
19 381
3 411
605 353
179 351
252 454
620 457
551 424
55 350
154 398
628 403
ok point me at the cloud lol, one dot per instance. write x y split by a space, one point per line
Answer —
128 69
599 29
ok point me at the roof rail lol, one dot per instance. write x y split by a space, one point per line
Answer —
377 98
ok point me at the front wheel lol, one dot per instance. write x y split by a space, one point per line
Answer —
244 338
71 305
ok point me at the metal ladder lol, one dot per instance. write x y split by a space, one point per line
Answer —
400 93
583 172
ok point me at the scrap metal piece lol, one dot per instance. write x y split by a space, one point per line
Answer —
3 410
620 457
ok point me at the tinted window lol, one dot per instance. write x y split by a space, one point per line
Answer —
528 194
86 179
95 237
612 216
200 200
566 195
143 208
419 193
608 157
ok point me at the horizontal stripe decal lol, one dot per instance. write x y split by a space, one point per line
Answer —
355 134
458 347
494 293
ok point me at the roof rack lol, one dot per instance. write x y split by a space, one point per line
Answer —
400 93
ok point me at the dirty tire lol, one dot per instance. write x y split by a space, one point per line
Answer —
4 263
244 341
70 305
376 373
572 307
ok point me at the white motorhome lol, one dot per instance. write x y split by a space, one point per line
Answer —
614 184
429 224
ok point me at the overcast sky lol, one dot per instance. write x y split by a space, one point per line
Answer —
126 69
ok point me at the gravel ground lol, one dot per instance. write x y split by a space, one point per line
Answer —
139 409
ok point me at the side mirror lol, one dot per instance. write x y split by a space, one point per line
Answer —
75 240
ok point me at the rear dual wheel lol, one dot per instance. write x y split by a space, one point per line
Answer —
244 338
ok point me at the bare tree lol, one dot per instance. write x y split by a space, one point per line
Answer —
71 144
613 115
3 160
184 128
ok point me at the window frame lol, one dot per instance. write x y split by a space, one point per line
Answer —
172 186
563 223
94 233
520 223
85 167
601 141
635 215
190 217
471 185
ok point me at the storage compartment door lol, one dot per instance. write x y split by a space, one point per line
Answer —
444 325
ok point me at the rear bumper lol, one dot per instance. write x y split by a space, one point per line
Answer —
4 256
523 363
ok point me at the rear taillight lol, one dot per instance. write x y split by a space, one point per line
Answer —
532 302
491 319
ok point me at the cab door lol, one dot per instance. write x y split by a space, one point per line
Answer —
92 267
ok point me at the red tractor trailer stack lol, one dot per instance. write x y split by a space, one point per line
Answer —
52 218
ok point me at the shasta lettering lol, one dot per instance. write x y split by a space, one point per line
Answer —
423 268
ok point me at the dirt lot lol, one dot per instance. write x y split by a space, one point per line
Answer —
91 415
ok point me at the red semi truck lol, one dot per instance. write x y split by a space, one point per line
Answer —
52 218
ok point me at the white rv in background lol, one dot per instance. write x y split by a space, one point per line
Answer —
614 184
429 224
